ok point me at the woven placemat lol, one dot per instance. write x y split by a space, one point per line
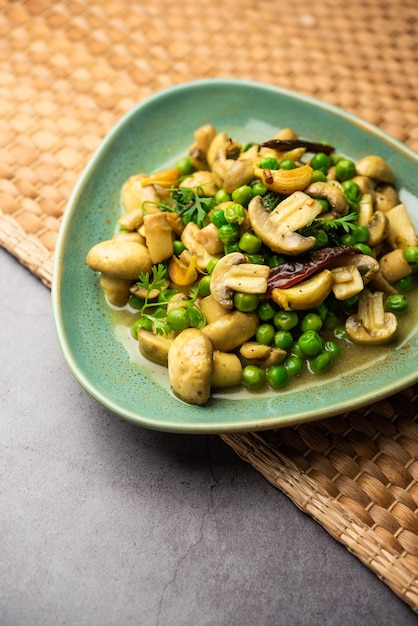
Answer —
69 70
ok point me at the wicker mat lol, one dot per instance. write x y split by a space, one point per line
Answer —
69 70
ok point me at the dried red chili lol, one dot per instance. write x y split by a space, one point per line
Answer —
295 270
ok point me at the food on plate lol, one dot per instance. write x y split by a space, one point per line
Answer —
253 264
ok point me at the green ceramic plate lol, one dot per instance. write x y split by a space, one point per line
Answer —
155 133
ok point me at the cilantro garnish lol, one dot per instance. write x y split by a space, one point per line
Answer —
149 282
156 320
334 227
191 206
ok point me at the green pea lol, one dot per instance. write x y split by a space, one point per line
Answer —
311 321
246 302
411 255
320 161
330 321
242 195
269 163
340 332
231 247
178 319
178 247
250 243
235 213
185 166
310 343
321 310
293 364
361 234
348 239
404 284
283 339
318 176
397 303
364 248
286 320
333 348
165 295
142 322
228 233
296 350
211 265
321 362
324 204
287 164
322 239
218 218
350 302
222 196
265 334
136 303
351 189
204 286
266 311
253 377
259 189
277 376
135 327
345 169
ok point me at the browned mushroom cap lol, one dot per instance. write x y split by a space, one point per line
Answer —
331 192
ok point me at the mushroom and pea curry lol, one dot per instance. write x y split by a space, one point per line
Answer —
250 264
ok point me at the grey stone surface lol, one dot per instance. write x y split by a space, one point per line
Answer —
103 523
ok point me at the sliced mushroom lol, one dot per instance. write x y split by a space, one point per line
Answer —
386 197
347 282
208 237
233 273
117 290
394 266
120 259
277 228
227 369
285 181
375 167
190 238
135 196
159 236
190 366
401 228
154 347
306 294
237 173
201 182
260 354
211 309
371 324
141 292
365 210
231 330
332 192
366 184
378 228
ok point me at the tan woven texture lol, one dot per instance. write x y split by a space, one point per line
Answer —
69 70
